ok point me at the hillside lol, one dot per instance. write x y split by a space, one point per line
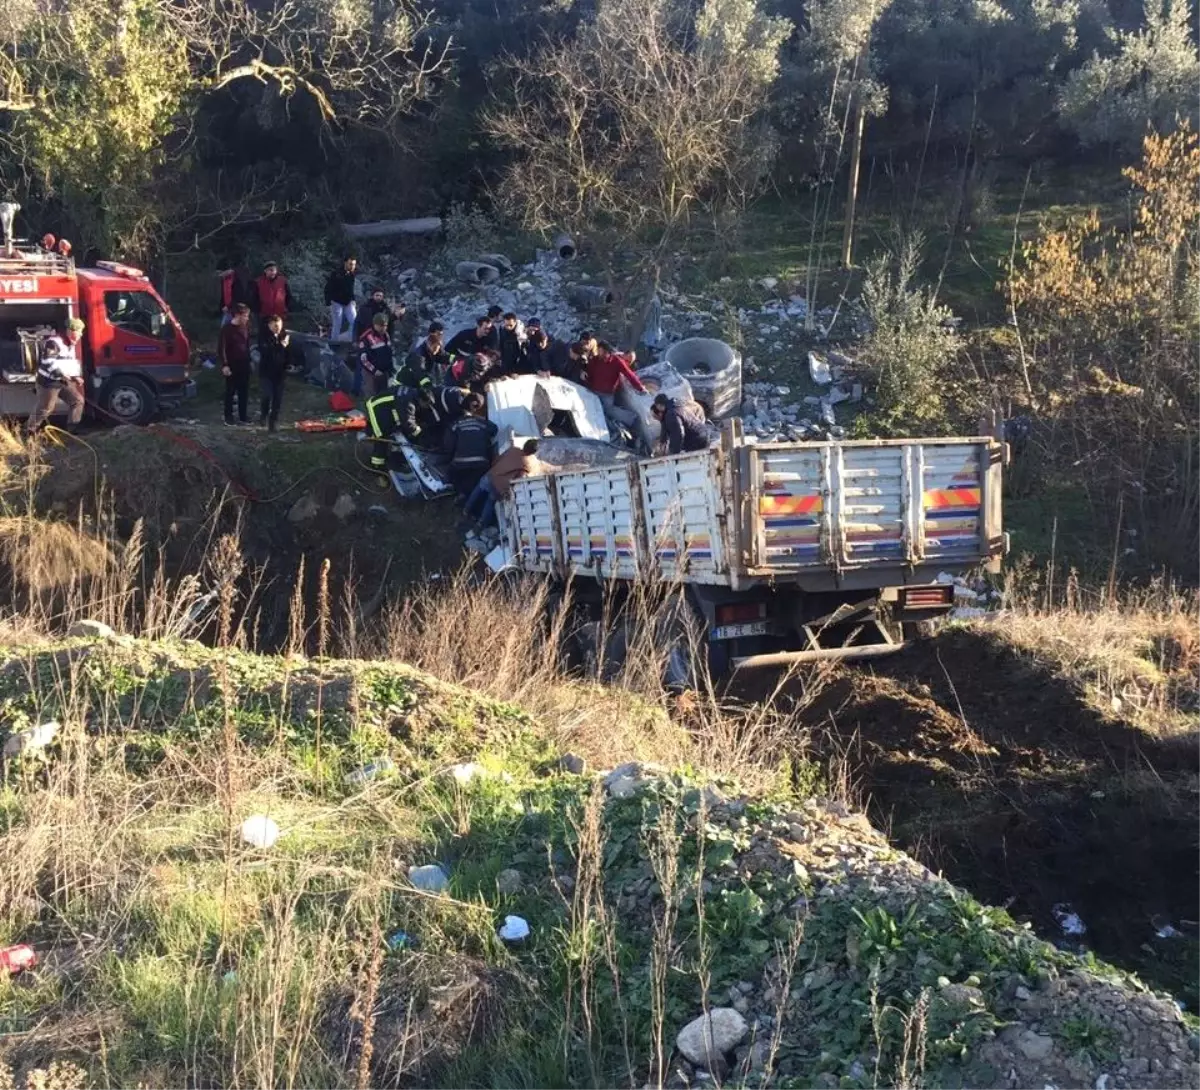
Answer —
172 952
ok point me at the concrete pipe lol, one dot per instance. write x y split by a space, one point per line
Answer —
476 272
587 296
498 261
564 246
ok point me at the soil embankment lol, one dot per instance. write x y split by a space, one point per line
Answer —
988 766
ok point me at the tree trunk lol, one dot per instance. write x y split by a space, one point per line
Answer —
860 115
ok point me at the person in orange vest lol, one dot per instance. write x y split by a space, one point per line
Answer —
272 295
236 287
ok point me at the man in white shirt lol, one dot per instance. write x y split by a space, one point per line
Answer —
60 374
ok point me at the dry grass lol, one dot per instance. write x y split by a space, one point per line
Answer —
508 640
1136 654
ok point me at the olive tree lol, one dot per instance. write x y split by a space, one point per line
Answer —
102 97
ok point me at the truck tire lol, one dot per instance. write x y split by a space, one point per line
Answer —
127 399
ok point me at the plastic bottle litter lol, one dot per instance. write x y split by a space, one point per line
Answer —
260 831
514 929
378 767
34 738
430 878
16 959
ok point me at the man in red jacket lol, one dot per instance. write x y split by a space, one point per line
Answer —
272 295
605 370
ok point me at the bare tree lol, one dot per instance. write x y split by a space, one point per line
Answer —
651 109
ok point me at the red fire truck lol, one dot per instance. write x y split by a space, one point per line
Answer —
135 353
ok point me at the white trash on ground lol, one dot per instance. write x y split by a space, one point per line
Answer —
430 878
32 738
260 831
514 929
818 370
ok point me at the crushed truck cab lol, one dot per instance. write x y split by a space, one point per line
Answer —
135 353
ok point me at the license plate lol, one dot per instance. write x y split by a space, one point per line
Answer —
737 631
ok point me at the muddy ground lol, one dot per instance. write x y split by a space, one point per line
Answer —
991 768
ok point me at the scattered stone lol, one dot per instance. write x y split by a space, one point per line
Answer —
962 995
509 881
769 283
377 509
624 788
712 1034
1035 1046
1023 994
1138 1067
344 506
430 878
96 630
572 763
303 509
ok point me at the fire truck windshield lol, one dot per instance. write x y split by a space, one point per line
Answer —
137 312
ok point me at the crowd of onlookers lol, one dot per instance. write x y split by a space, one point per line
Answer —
433 393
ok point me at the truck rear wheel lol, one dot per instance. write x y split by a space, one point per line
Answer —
128 400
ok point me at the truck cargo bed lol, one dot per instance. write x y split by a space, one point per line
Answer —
819 515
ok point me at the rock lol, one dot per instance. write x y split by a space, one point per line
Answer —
303 509
1138 1067
344 506
769 283
1035 1046
96 630
712 796
624 788
1102 1082
858 1071
1023 994
760 1055
572 763
377 509
509 881
962 995
628 770
430 878
827 1080
33 738
711 1035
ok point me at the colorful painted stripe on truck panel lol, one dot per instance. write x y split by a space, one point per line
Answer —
539 545
598 543
697 545
774 506
951 518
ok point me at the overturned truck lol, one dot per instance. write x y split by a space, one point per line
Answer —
785 552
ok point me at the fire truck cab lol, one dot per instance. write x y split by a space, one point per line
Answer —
135 353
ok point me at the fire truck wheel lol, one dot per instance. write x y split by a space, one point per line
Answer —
128 400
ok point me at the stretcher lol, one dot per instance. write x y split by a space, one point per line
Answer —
351 421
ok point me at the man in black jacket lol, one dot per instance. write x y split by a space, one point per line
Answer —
339 297
429 359
275 355
512 346
470 342
468 445
683 425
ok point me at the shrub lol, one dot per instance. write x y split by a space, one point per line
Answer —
910 344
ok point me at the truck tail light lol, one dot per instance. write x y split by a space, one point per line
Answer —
935 597
741 612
